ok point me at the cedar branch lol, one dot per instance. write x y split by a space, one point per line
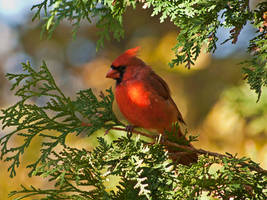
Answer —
192 149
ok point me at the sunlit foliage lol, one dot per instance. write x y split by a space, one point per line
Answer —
197 23
144 169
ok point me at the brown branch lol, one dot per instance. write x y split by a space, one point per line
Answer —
190 148
235 33
134 131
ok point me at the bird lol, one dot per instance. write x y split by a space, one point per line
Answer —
144 98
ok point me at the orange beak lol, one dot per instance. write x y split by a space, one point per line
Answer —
112 73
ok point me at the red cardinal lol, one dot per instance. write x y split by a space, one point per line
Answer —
144 97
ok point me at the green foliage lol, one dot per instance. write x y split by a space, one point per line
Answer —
107 19
30 120
255 69
146 173
197 22
144 170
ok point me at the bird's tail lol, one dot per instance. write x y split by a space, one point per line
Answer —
182 157
179 155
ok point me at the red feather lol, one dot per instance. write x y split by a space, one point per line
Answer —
127 56
144 97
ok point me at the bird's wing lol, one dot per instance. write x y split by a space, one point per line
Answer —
162 89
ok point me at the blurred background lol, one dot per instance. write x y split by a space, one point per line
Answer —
216 103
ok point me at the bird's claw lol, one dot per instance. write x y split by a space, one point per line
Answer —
161 139
107 131
129 130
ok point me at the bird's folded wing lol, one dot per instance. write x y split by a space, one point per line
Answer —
161 88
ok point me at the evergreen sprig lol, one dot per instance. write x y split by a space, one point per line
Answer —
107 19
31 120
197 22
255 69
143 170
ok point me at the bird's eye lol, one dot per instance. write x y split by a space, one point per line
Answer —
121 68
118 68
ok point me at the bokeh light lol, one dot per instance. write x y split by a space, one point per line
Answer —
216 103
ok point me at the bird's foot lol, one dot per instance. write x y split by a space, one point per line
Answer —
86 124
107 131
129 130
161 139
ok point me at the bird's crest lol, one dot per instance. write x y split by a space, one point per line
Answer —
126 56
132 52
